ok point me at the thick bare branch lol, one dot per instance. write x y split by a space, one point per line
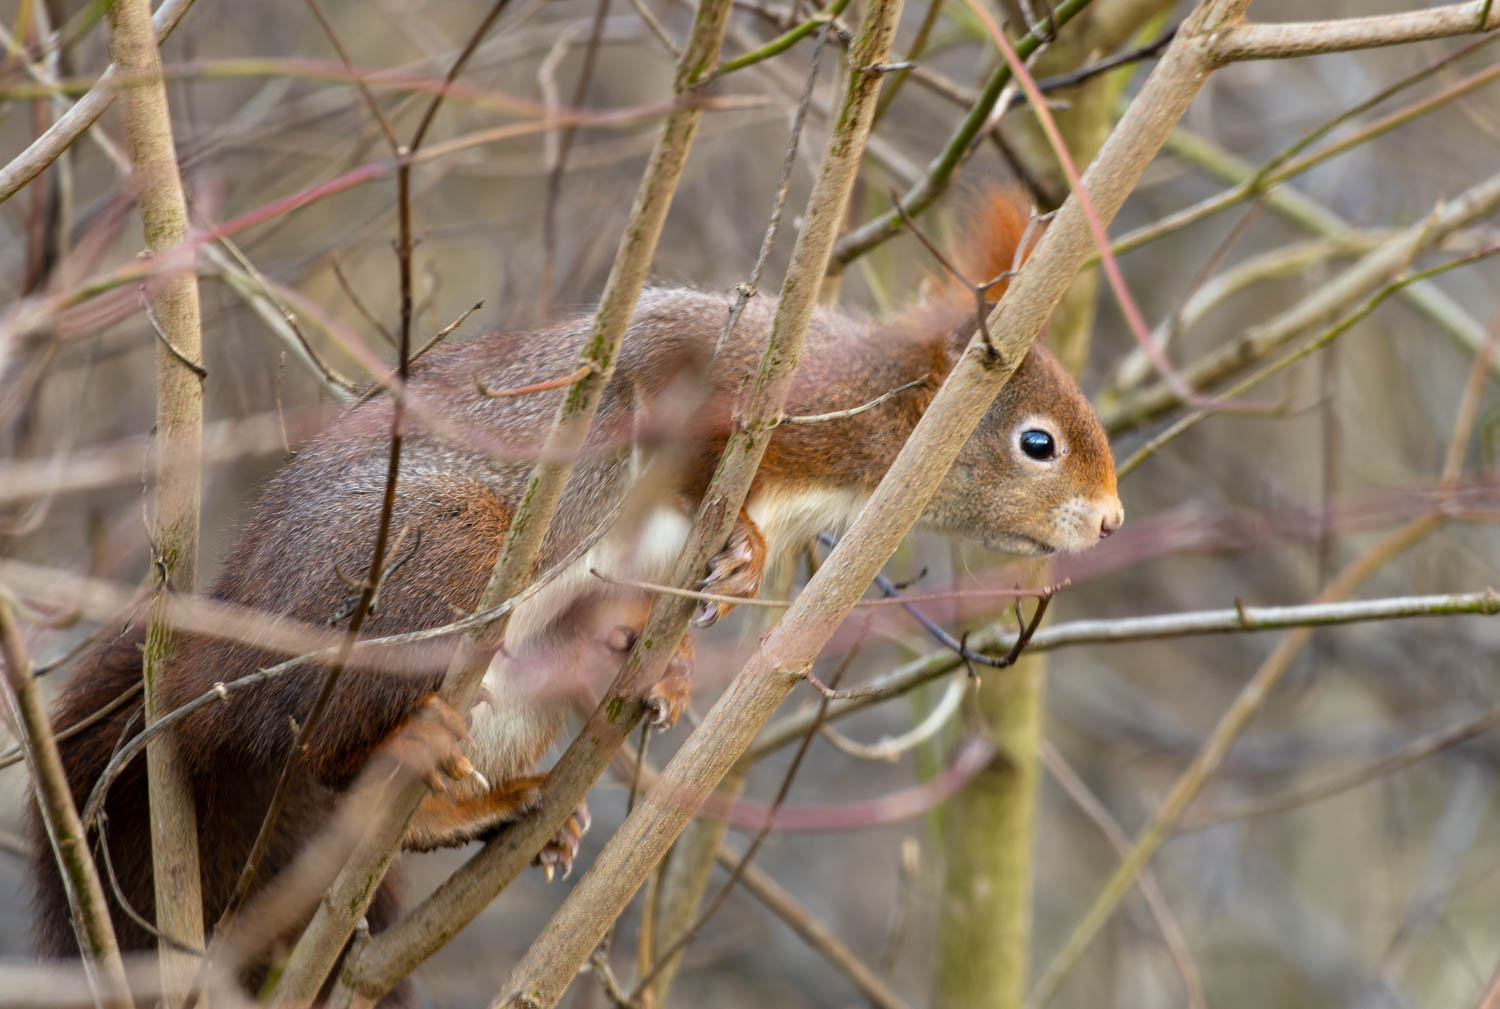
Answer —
173 311
786 654
1252 41
350 893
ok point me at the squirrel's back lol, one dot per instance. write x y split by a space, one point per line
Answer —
473 429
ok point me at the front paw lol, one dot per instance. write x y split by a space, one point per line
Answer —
557 855
736 570
446 821
668 696
430 744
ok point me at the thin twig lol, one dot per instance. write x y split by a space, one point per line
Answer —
854 411
780 604
358 302
812 929
651 22
72 124
1372 271
80 878
351 891
1150 628
1283 166
557 157
1166 921
1023 638
782 43
1193 418
1233 722
582 372
687 934
892 748
919 197
16 755
1334 784
181 358
354 75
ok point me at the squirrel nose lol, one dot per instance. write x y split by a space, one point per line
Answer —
1112 519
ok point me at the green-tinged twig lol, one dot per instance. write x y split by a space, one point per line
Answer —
1372 270
60 135
1284 165
940 172
80 877
177 450
783 656
356 883
782 43
1192 419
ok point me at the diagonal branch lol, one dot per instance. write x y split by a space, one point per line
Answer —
72 124
786 654
80 877
350 893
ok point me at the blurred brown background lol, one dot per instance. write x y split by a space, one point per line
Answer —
1382 895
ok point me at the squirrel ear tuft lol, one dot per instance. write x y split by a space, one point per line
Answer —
986 243
988 233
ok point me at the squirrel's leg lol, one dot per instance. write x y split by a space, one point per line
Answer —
735 571
668 696
463 806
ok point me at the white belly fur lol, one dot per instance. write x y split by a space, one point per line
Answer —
789 517
532 696
530 705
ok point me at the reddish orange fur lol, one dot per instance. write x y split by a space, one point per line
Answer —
990 231
457 493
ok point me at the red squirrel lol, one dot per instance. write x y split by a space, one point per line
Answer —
1035 477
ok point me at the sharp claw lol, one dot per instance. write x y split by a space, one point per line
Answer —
661 716
585 821
484 782
484 697
548 870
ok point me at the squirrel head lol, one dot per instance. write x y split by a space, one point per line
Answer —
1036 476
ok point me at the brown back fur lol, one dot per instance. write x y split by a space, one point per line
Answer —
465 462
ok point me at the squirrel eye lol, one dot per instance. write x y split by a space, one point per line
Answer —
1038 445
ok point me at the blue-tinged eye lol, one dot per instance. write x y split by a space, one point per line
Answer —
1038 445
